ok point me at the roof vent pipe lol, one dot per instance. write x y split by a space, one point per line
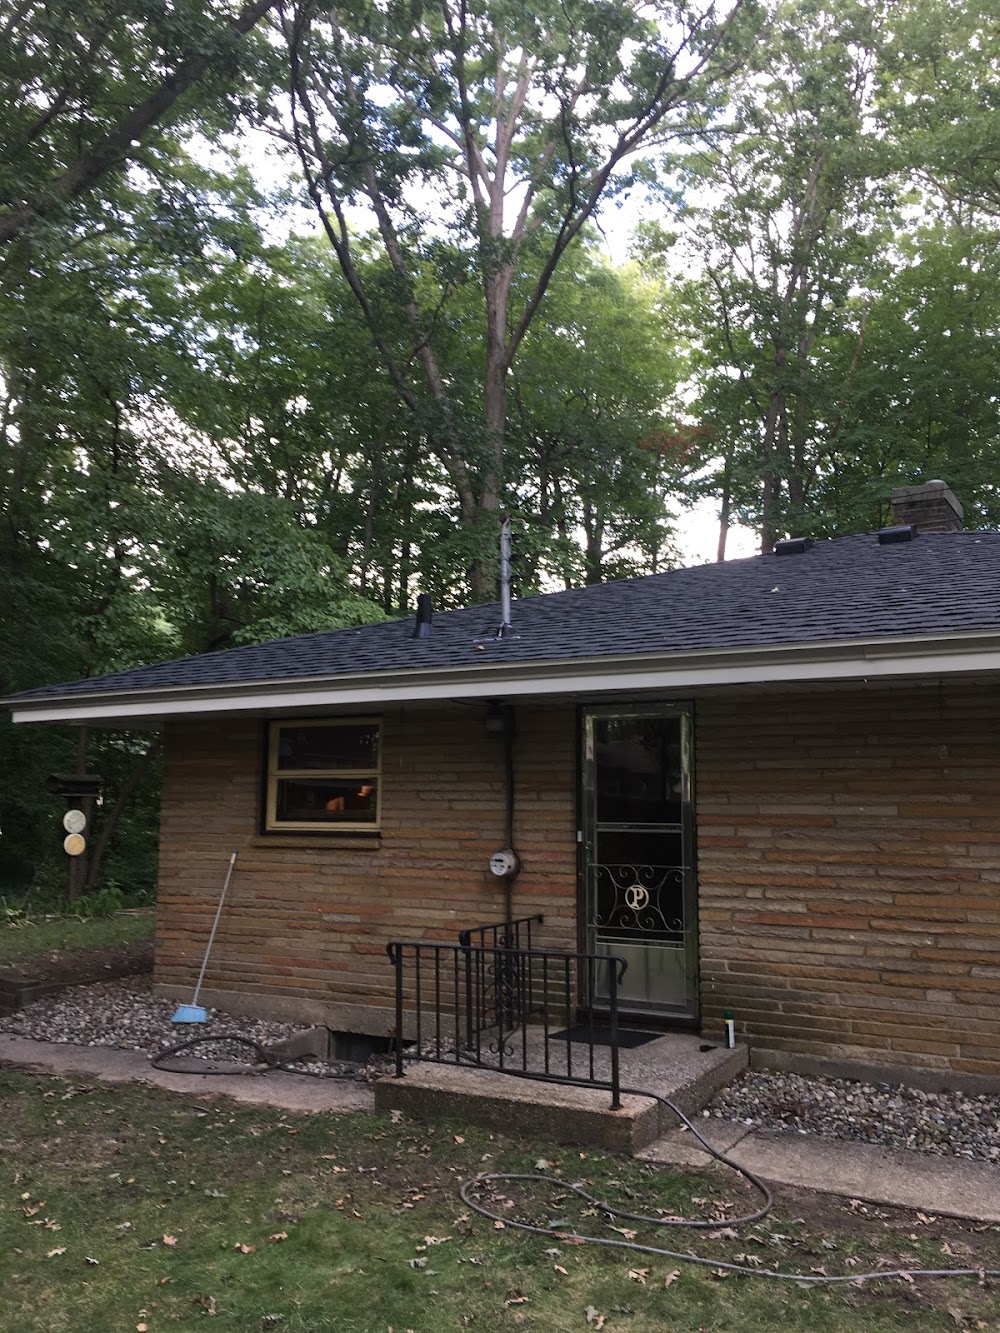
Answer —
793 546
892 536
506 629
422 629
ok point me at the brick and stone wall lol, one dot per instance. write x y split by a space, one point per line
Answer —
849 872
308 917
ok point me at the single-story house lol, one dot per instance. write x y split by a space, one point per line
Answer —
772 785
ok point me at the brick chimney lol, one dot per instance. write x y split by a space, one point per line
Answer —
931 506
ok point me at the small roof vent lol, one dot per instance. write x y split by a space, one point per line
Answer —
793 546
903 532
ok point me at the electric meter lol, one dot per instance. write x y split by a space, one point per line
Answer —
504 862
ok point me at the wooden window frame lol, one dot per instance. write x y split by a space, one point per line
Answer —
274 775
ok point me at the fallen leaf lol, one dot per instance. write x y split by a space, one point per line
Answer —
87 1260
515 1298
278 1235
594 1317
142 1328
245 1249
61 1249
459 1138
639 1275
671 1278
169 1240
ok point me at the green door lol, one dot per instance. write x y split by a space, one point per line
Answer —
638 866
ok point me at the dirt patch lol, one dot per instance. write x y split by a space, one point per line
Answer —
73 967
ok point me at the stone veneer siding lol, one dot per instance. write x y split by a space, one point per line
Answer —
848 865
849 870
308 917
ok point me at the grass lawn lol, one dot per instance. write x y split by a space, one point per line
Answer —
134 1209
43 935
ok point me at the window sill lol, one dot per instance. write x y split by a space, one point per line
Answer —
325 841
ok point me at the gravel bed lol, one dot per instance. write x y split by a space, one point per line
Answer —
947 1124
125 1014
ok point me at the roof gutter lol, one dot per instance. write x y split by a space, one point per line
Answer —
872 659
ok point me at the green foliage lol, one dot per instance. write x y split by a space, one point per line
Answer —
108 900
591 393
89 86
480 139
231 567
35 932
213 432
790 243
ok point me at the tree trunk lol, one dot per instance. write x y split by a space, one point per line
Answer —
724 507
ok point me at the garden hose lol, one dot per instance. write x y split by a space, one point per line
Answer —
469 1187
268 1062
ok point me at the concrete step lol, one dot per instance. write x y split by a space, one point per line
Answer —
678 1066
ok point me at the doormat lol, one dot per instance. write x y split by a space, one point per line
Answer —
628 1038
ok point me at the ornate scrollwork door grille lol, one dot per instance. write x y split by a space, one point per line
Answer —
637 840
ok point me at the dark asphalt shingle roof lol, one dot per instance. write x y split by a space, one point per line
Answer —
848 588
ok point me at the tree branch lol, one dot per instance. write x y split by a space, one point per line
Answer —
119 144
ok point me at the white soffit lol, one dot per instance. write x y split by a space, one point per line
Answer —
837 661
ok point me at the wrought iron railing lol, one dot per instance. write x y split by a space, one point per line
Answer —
502 934
495 976
469 1004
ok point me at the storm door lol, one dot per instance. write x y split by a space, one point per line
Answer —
638 871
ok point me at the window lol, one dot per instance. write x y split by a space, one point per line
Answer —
323 775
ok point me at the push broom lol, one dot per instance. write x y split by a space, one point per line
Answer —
193 1012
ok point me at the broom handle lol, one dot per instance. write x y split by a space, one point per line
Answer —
215 927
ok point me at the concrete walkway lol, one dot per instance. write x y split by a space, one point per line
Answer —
290 1092
946 1185
953 1186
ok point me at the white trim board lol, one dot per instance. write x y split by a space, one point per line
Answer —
871 660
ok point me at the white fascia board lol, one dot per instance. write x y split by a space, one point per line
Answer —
799 663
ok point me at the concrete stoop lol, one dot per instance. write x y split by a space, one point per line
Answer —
677 1066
